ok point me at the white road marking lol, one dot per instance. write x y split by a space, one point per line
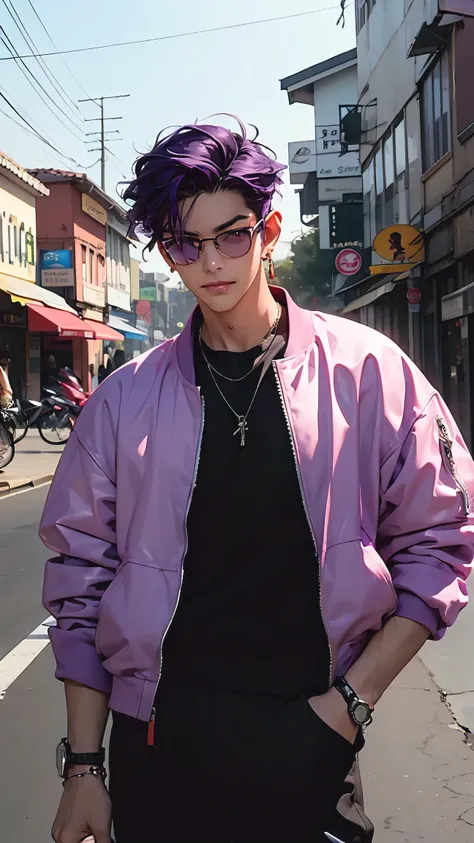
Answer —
17 660
9 495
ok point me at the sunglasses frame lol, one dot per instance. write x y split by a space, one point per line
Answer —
251 229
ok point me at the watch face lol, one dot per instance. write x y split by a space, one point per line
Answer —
361 714
61 758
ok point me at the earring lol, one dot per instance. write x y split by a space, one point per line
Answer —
172 269
271 268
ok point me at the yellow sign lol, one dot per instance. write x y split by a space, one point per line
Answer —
390 268
93 209
400 243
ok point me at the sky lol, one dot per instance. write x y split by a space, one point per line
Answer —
170 82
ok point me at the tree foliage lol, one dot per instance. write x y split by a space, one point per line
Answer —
307 272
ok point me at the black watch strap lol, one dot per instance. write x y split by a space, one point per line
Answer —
94 759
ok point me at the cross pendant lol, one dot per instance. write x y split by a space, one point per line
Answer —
242 428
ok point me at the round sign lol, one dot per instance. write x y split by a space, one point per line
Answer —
400 243
349 262
414 295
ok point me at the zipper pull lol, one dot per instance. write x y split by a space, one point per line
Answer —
151 729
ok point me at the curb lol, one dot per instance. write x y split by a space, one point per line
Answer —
17 484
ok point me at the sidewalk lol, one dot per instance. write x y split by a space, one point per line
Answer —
34 463
418 766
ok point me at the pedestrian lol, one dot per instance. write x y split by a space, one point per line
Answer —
6 392
257 524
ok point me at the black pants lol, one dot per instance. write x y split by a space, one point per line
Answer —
228 768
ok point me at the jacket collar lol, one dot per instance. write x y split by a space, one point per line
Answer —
301 334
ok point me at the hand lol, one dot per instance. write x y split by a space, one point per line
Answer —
84 810
332 708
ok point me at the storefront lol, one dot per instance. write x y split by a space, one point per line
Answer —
457 314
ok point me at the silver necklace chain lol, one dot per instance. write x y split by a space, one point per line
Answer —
242 425
271 333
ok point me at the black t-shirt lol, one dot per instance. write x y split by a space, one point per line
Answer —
248 618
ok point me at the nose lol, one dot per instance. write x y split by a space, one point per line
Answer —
212 260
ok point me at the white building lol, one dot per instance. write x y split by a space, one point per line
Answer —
330 174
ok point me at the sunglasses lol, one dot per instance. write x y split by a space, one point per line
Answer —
232 244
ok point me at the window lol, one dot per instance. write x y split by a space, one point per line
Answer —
84 264
368 180
389 163
400 149
436 113
363 10
91 266
379 185
30 247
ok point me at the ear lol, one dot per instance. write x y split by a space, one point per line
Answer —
164 254
272 232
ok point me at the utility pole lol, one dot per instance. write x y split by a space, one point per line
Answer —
102 119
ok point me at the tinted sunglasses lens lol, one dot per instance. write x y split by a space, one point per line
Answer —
235 244
184 253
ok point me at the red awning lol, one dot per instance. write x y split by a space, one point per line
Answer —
101 331
58 322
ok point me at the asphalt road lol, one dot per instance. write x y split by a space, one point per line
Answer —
418 765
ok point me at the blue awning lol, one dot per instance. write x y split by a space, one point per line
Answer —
129 332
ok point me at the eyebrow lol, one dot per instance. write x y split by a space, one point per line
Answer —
222 227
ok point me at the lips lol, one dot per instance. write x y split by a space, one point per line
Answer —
216 284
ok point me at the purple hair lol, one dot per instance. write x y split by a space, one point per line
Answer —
198 159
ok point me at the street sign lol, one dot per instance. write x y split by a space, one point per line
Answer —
400 243
348 262
390 268
414 295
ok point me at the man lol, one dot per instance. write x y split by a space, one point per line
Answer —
6 392
258 523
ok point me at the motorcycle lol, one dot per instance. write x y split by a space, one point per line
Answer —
70 388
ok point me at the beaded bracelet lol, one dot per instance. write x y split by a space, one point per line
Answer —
97 772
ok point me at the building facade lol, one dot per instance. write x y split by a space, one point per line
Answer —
23 303
75 223
327 168
417 155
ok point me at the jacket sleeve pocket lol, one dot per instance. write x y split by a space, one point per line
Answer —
426 529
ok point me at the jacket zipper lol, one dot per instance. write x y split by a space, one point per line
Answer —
305 506
151 722
446 439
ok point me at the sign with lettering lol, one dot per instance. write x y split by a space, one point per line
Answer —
56 267
332 165
93 209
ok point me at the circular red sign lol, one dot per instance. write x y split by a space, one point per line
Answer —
414 295
348 262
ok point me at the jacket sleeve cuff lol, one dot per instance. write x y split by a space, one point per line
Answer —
78 660
415 609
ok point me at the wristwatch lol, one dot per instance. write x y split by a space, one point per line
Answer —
65 758
360 711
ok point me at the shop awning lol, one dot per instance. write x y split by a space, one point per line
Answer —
128 331
26 291
370 297
60 322
102 332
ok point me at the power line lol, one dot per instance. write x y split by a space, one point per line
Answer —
12 50
33 134
46 30
176 35
32 46
38 134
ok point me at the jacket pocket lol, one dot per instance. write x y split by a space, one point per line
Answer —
446 444
104 600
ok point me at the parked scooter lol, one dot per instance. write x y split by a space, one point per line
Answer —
70 388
